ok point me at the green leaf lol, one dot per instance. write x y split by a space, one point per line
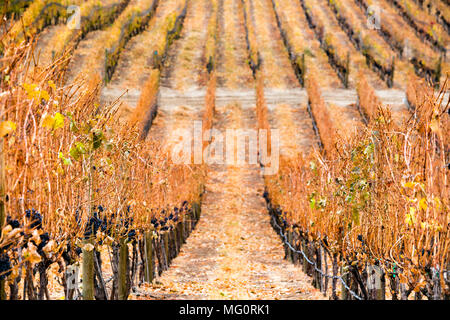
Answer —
78 150
58 121
81 147
97 139
312 203
355 216
73 126
74 153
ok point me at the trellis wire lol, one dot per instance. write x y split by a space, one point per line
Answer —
313 263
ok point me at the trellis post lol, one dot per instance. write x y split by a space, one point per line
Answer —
2 207
149 264
123 270
375 282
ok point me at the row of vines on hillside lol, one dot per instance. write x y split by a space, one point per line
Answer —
165 30
14 8
254 57
294 43
427 63
368 102
80 193
40 14
338 55
115 37
377 57
136 22
433 33
211 58
372 213
92 17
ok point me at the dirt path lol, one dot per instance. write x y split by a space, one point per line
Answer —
44 45
233 253
135 63
186 62
232 68
181 95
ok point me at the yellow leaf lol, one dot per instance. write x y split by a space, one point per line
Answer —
410 218
423 204
53 123
52 84
48 122
44 95
434 125
409 184
34 92
437 203
58 121
6 127
30 89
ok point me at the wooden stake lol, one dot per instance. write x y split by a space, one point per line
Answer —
166 248
123 270
375 282
149 264
335 273
2 208
305 263
183 228
180 234
290 253
344 291
88 269
319 266
196 211
88 247
295 255
173 234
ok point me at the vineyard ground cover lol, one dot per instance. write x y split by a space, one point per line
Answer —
233 253
424 25
143 52
55 39
286 101
301 42
181 74
357 60
186 61
232 68
409 46
377 45
92 57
